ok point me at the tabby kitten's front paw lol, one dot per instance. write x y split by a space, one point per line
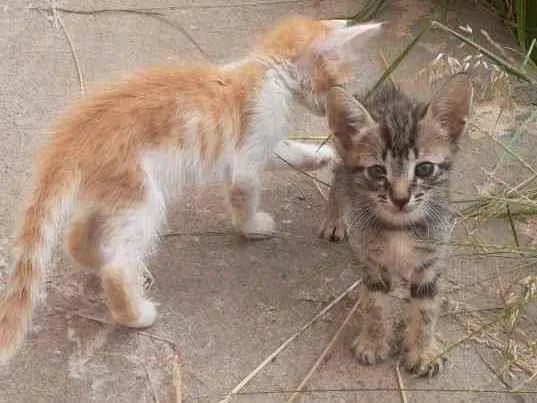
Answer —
370 350
424 362
260 226
332 228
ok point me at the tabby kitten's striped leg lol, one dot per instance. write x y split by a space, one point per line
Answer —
333 224
372 344
421 349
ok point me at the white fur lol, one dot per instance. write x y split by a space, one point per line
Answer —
338 41
167 173
302 155
236 64
336 24
269 123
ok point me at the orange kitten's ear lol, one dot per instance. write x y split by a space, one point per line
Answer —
341 35
347 118
452 104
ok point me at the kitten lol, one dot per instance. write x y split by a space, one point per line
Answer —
391 192
117 160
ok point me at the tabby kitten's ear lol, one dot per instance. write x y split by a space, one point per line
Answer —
451 105
347 118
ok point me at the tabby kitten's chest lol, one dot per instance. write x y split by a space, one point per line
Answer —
399 251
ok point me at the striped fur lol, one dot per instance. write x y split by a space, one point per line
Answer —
391 194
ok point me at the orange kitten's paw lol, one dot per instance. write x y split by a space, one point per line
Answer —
369 350
147 316
326 159
333 229
425 363
261 226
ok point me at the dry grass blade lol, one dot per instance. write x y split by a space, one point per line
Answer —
495 58
510 316
151 384
100 11
400 383
444 391
145 12
177 382
491 368
148 376
160 338
301 170
57 19
182 30
102 321
509 151
271 356
75 56
462 340
176 367
525 382
325 351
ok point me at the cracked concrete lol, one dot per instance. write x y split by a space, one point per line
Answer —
225 304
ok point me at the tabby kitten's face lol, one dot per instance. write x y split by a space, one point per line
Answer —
397 153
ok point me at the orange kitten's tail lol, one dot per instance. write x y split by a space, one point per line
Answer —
51 202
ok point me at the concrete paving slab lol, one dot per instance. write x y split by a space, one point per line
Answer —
225 303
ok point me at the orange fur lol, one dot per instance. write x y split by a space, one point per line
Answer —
292 38
115 157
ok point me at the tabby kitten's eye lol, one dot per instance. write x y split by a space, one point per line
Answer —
424 169
376 172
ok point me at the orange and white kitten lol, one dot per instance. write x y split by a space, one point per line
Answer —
117 160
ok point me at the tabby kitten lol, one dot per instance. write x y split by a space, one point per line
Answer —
391 192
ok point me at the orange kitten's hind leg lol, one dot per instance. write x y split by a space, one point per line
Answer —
84 243
124 274
124 294
126 236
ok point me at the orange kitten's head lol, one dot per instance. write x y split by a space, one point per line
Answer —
317 53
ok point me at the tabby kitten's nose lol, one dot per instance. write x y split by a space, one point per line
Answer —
400 202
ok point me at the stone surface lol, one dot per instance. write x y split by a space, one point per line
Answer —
225 303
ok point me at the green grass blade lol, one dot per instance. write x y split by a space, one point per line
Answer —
387 73
508 150
368 11
531 24
512 224
527 58
521 23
